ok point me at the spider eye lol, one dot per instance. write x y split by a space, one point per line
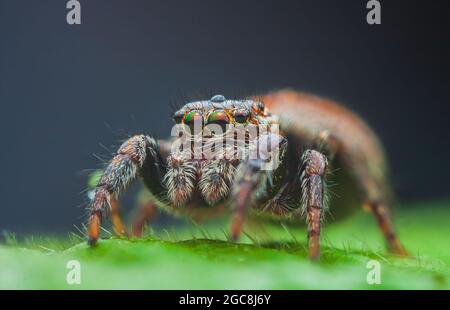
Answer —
218 117
241 116
178 117
192 118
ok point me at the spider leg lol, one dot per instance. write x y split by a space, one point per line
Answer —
138 154
383 217
146 211
312 173
252 174
247 181
375 193
376 198
118 226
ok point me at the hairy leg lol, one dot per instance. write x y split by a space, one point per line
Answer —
375 193
215 182
312 175
137 153
254 173
247 180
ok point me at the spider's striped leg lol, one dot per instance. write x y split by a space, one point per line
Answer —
136 155
312 173
118 226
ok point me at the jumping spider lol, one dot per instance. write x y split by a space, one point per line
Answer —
315 133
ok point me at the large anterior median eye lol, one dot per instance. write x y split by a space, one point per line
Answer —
193 116
218 117
194 120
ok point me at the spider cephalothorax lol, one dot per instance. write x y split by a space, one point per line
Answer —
236 155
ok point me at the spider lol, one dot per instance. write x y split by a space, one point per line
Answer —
314 134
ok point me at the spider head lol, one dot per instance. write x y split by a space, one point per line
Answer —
215 136
219 124
222 112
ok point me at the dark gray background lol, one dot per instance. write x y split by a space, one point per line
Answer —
65 89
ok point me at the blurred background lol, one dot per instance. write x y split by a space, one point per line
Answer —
68 94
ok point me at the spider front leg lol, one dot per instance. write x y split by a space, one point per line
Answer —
312 177
253 173
136 155
248 179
